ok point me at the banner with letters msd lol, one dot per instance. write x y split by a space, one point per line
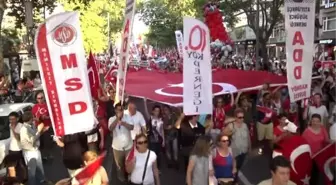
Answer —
300 26
124 50
197 73
179 42
62 63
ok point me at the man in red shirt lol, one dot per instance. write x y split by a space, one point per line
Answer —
41 114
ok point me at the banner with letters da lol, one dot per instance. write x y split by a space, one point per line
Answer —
197 73
62 63
124 50
179 42
300 26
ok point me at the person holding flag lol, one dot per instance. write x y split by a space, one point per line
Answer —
98 177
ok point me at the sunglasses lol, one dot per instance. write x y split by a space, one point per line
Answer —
39 98
240 117
142 142
225 140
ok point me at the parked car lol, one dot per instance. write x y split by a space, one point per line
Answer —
5 110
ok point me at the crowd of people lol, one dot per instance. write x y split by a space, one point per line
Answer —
212 147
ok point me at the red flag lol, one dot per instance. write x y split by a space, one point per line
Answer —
131 154
296 149
89 171
267 111
111 75
93 76
324 160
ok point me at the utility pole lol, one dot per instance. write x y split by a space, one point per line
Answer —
257 35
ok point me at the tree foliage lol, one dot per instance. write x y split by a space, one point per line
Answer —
164 17
11 41
94 21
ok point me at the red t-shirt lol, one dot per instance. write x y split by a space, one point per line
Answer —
41 109
277 131
219 116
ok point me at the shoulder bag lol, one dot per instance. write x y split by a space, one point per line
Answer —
144 172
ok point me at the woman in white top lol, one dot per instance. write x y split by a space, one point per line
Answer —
135 166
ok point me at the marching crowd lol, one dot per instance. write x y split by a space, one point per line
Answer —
212 147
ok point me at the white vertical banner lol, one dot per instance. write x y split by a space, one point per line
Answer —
179 42
61 59
300 26
124 50
197 73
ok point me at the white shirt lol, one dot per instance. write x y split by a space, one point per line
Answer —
14 144
332 132
193 126
140 160
93 137
138 121
122 139
321 110
158 125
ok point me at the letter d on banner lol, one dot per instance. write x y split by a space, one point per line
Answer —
197 73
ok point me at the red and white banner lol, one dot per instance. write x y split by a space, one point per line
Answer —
299 16
60 53
179 42
124 50
197 72
168 87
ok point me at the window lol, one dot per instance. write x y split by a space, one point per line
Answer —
329 23
4 128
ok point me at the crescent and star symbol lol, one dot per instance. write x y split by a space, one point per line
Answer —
297 152
326 168
226 88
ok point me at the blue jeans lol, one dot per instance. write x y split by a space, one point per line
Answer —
34 163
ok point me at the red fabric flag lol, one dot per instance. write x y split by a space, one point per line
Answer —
111 75
296 149
267 111
93 76
89 171
131 154
325 160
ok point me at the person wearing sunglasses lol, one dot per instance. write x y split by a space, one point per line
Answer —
143 168
223 161
41 115
240 139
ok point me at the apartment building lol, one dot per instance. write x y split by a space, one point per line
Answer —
328 20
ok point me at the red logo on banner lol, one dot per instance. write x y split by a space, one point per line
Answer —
202 38
64 35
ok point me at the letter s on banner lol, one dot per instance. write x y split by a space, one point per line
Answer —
59 48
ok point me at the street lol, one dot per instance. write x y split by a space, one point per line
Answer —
255 169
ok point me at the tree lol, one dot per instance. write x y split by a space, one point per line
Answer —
94 21
16 8
11 41
269 16
164 17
